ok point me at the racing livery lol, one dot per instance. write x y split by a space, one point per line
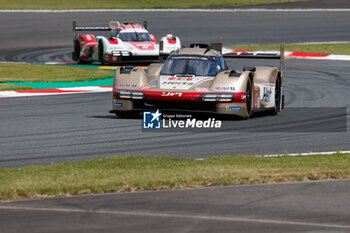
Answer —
197 79
127 42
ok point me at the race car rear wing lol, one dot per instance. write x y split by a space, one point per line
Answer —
112 25
88 28
255 55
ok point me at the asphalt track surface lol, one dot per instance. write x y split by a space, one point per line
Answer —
292 207
49 129
48 36
42 130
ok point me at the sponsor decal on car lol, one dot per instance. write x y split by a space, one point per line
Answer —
233 108
167 93
177 83
267 91
118 105
143 45
266 95
181 83
201 89
180 78
146 88
127 85
189 57
225 88
115 48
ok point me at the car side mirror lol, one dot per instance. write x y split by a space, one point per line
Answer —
153 38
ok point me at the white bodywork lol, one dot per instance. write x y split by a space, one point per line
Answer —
127 42
266 94
181 83
144 48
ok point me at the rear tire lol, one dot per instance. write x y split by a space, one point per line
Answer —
101 52
76 52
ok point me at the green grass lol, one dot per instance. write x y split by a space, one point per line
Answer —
343 48
46 73
122 4
49 73
120 174
7 87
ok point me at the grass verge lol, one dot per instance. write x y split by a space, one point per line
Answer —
131 173
46 73
343 48
49 73
7 87
121 4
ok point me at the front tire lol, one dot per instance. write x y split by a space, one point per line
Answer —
278 93
249 99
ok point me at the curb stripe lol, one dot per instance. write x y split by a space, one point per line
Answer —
299 55
56 91
47 91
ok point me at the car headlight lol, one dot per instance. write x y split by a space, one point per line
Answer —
126 94
217 97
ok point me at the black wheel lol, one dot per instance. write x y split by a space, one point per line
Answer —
277 96
76 52
249 98
101 52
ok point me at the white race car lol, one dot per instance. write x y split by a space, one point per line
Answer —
127 42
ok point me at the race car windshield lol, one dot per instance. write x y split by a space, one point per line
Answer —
198 67
135 36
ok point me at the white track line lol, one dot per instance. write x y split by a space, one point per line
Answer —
299 154
322 42
178 10
308 153
185 216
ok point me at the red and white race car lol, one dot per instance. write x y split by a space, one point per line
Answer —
127 42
